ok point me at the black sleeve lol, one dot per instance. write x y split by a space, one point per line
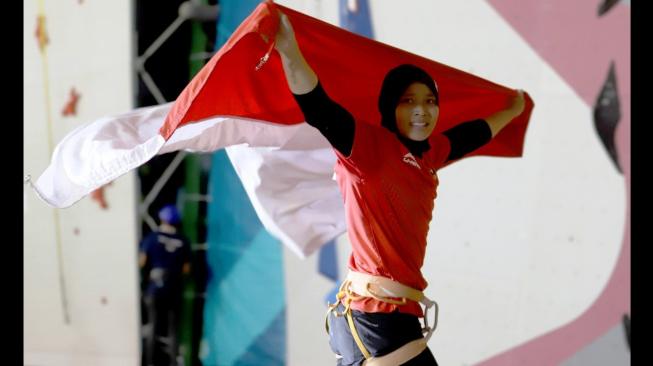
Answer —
334 122
467 137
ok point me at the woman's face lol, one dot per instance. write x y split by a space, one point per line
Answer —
417 112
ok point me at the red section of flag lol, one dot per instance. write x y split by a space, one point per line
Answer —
351 69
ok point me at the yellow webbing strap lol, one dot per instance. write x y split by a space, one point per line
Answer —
346 296
360 285
332 307
354 333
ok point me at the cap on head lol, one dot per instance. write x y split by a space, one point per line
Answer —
169 214
395 84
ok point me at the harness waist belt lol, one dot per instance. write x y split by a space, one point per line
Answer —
359 285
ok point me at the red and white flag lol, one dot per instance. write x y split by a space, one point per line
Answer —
240 100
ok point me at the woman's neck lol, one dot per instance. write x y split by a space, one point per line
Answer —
417 148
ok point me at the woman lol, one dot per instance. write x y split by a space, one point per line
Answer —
388 178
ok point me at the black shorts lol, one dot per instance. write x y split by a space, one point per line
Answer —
381 334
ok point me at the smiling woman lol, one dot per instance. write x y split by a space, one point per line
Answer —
388 179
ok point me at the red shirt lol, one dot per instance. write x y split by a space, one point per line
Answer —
389 198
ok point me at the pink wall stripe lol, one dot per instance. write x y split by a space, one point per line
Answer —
579 45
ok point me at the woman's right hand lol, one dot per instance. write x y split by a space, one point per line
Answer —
285 41
518 103
299 75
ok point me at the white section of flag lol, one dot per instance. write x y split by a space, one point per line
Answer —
286 169
293 193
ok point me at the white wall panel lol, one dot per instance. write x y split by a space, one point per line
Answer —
89 49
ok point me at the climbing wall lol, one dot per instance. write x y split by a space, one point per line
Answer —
80 269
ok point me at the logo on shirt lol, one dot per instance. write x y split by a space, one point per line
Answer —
410 159
171 244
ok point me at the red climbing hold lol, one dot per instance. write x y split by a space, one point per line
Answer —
71 106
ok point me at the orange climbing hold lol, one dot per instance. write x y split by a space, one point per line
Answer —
41 33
